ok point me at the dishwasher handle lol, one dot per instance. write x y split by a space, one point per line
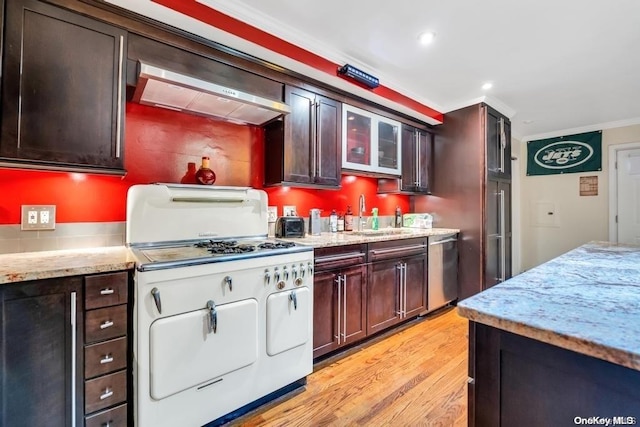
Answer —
442 242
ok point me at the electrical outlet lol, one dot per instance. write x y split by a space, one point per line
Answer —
38 217
289 211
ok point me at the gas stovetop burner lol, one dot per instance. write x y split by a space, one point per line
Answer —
276 245
225 247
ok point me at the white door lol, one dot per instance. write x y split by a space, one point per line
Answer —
288 320
186 351
628 179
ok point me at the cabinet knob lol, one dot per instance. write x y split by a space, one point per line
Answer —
106 324
107 394
108 358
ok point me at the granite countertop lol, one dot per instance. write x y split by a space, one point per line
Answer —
20 267
587 301
348 238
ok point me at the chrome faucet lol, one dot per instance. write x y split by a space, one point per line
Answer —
361 210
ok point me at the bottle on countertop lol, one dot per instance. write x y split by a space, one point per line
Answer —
333 222
205 175
398 222
340 223
348 219
374 219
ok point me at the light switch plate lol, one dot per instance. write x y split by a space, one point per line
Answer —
38 217
272 213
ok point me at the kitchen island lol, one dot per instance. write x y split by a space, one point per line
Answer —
558 345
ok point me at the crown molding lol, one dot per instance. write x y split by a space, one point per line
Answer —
582 129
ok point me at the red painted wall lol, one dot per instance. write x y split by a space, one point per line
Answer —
349 194
158 146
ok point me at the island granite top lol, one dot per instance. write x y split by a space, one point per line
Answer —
587 301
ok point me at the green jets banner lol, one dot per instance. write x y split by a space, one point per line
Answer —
565 154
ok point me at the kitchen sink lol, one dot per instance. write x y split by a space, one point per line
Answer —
382 232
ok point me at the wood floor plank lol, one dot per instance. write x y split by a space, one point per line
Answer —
414 377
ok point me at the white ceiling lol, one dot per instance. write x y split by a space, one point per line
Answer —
556 66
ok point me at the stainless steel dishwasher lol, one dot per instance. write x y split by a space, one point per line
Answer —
443 270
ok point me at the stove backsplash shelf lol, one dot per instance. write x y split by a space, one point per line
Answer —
180 212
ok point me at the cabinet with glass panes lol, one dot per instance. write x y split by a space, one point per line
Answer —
371 143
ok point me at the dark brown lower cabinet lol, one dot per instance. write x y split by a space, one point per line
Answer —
41 366
518 381
383 306
339 308
397 282
60 362
339 298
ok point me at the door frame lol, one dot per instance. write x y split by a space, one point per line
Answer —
613 185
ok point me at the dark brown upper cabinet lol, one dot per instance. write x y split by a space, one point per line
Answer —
63 89
417 163
303 149
498 128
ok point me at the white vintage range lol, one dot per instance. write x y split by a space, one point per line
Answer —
222 315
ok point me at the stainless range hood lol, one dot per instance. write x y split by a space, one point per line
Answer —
167 89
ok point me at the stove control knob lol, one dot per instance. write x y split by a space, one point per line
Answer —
298 281
294 271
229 282
267 276
285 273
276 274
310 268
281 284
301 269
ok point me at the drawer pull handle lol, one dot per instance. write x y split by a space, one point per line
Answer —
106 324
106 291
106 359
107 394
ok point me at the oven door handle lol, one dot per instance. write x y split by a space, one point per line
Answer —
293 298
213 316
156 297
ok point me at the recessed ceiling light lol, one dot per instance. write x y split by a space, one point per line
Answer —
487 86
527 122
426 37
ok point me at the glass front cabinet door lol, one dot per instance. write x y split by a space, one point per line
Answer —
371 143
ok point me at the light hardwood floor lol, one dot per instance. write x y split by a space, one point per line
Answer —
415 377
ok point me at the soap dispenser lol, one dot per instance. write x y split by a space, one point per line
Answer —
374 219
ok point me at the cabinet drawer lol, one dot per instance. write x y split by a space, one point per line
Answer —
108 356
339 257
397 249
114 417
105 323
105 391
104 290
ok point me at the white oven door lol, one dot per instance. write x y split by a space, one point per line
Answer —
288 320
184 352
